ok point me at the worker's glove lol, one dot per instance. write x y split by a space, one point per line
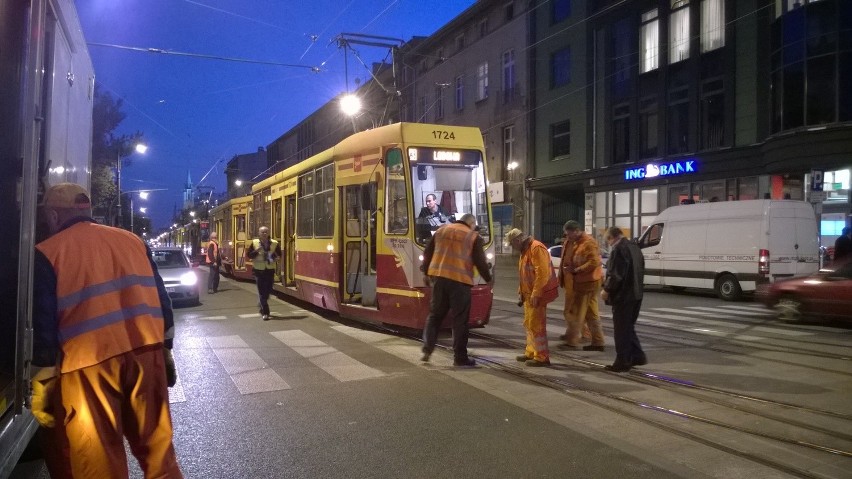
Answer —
520 300
171 371
44 387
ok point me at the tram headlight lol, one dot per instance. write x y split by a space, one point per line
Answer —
489 256
188 279
329 247
420 258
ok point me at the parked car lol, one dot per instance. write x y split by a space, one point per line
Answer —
179 275
825 294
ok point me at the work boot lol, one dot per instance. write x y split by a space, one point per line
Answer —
537 364
465 363
523 357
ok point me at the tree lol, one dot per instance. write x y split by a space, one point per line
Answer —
107 114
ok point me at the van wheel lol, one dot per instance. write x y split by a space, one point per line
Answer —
728 288
678 289
788 309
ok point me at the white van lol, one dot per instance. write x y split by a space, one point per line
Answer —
730 246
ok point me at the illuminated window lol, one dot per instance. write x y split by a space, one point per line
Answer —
712 25
649 42
679 31
482 81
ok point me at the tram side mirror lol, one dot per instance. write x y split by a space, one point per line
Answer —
422 174
368 196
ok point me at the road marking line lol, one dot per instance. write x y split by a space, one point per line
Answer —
722 325
252 315
341 366
756 309
212 318
743 313
249 372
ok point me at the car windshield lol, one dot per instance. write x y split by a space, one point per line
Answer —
169 259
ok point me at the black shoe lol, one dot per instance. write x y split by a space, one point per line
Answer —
265 317
592 347
464 363
522 357
617 368
563 336
537 364
640 362
425 357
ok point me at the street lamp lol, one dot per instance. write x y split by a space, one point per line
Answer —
140 148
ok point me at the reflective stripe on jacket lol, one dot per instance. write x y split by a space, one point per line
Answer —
260 261
453 257
107 301
213 256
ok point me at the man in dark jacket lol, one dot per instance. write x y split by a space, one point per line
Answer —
622 288
843 245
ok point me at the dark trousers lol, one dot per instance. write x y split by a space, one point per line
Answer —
449 299
213 278
264 278
628 351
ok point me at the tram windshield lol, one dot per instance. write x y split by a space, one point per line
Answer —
447 184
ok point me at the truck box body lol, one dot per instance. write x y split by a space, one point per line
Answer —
730 246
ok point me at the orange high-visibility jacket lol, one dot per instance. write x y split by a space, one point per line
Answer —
536 273
453 257
106 294
587 260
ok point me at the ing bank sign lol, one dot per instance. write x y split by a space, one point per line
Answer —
652 170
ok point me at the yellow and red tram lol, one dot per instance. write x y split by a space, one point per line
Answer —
230 222
347 219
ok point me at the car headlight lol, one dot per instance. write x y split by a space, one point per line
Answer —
188 279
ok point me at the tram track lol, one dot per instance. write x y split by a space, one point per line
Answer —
820 439
712 430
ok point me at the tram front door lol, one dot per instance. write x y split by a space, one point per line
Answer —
359 244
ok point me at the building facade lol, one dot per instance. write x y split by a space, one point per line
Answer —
695 100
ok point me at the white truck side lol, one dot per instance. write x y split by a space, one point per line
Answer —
730 246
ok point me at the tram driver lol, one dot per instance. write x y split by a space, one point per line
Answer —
431 218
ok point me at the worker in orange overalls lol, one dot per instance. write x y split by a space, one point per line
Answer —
587 275
103 329
538 286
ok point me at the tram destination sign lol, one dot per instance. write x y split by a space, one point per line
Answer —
443 156
654 170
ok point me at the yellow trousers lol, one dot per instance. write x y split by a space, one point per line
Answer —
535 324
583 311
124 396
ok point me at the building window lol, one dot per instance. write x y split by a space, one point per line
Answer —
712 25
821 94
421 109
439 102
560 68
623 58
678 121
621 133
649 131
712 114
559 10
460 42
482 81
649 42
508 75
560 143
459 92
509 11
483 28
679 31
508 147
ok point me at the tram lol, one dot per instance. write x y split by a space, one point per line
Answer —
230 222
348 219
192 238
46 107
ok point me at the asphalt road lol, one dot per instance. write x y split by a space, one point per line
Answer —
308 395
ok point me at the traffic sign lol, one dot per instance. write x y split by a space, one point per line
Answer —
817 196
816 180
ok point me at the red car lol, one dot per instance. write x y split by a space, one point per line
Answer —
825 294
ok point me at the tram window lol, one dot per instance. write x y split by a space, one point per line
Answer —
305 206
396 201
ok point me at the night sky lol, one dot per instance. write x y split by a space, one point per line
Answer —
197 113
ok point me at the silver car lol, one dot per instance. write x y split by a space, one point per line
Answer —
180 276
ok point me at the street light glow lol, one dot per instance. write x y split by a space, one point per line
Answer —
141 148
350 105
143 195
511 166
239 183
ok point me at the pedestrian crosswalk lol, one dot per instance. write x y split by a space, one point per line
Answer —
249 373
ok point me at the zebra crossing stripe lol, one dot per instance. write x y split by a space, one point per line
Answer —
337 364
212 318
249 372
716 315
719 324
250 315
743 313
756 309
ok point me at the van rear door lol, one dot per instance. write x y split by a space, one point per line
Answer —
807 239
651 248
793 246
